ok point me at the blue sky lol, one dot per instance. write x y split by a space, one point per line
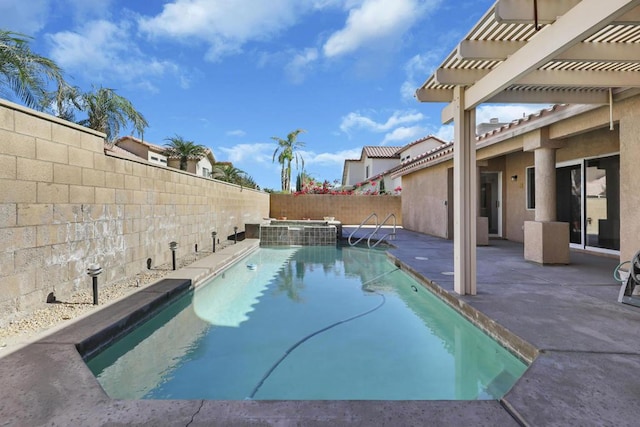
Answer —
230 74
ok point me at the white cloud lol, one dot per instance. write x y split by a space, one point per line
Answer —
418 69
88 9
445 133
404 135
301 64
237 132
329 159
359 121
370 21
222 25
29 17
24 17
259 152
101 47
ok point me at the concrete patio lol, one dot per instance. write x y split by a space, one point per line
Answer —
586 348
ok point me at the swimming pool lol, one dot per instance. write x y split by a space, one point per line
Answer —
308 323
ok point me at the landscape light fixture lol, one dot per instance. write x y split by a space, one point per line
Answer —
173 246
235 235
94 271
213 236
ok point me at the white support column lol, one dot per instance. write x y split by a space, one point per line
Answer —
545 163
465 196
546 241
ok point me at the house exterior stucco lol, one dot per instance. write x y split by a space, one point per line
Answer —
580 137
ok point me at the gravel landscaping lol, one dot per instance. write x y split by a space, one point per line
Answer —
29 327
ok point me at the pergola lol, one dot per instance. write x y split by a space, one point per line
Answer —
530 51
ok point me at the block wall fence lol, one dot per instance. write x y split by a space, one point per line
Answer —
64 204
349 210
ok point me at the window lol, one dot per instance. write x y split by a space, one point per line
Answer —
154 158
531 187
163 160
366 174
205 172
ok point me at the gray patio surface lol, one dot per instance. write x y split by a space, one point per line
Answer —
585 346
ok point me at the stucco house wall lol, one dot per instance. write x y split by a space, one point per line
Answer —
413 150
424 195
377 166
585 135
515 211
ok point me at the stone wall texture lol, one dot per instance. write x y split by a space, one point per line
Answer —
349 210
64 204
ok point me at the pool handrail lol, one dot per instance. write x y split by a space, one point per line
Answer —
393 233
373 215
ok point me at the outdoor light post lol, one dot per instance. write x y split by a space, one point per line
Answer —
173 246
94 271
235 235
213 236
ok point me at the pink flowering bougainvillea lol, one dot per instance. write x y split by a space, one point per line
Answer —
315 187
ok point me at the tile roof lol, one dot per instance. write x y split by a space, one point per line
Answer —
120 152
445 151
418 141
380 151
152 147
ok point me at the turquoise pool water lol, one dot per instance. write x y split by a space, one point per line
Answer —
308 323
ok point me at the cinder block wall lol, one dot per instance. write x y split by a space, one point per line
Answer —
64 204
349 210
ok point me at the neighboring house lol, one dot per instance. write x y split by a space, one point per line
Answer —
155 154
374 169
373 161
419 147
115 151
150 152
201 167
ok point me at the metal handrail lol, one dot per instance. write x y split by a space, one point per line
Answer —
393 233
373 215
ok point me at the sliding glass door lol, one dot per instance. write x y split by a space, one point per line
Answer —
569 200
602 203
588 198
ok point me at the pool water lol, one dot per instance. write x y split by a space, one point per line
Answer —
308 323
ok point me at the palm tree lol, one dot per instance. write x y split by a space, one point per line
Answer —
63 102
184 150
227 172
248 181
108 112
287 149
24 72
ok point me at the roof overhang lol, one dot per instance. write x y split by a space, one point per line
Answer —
543 51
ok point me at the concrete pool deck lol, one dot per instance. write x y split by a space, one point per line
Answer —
585 373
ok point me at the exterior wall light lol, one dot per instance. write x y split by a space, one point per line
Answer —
514 177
